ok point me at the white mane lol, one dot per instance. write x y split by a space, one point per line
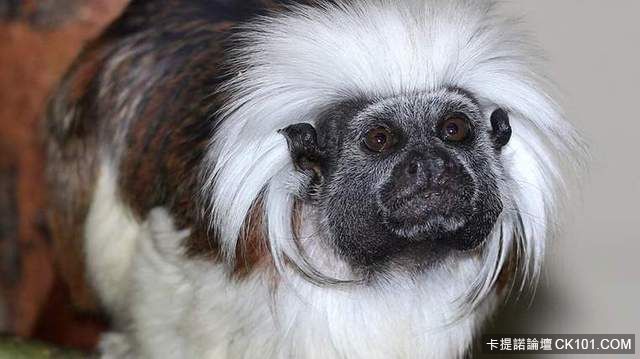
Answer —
289 67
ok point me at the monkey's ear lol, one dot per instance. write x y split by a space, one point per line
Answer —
303 145
501 128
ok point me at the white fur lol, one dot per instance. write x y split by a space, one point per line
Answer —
290 67
110 239
190 309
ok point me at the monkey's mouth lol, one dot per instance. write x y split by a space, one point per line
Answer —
432 228
453 219
428 209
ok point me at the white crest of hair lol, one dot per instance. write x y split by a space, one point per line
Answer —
291 66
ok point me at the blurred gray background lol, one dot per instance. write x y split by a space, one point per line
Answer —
591 281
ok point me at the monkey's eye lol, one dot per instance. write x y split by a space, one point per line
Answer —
455 128
378 139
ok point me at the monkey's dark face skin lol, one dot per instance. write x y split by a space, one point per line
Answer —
405 180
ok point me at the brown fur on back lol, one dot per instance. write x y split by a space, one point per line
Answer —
143 95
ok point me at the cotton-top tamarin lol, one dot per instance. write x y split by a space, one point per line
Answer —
304 179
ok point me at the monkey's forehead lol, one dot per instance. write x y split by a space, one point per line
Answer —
419 105
439 99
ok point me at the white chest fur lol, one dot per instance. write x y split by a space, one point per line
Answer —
174 307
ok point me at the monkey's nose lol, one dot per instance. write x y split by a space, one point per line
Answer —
424 185
418 171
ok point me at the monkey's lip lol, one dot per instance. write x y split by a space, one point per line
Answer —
431 226
424 204
429 214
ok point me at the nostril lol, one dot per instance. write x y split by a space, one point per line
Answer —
413 168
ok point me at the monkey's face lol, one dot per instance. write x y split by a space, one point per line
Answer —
408 179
